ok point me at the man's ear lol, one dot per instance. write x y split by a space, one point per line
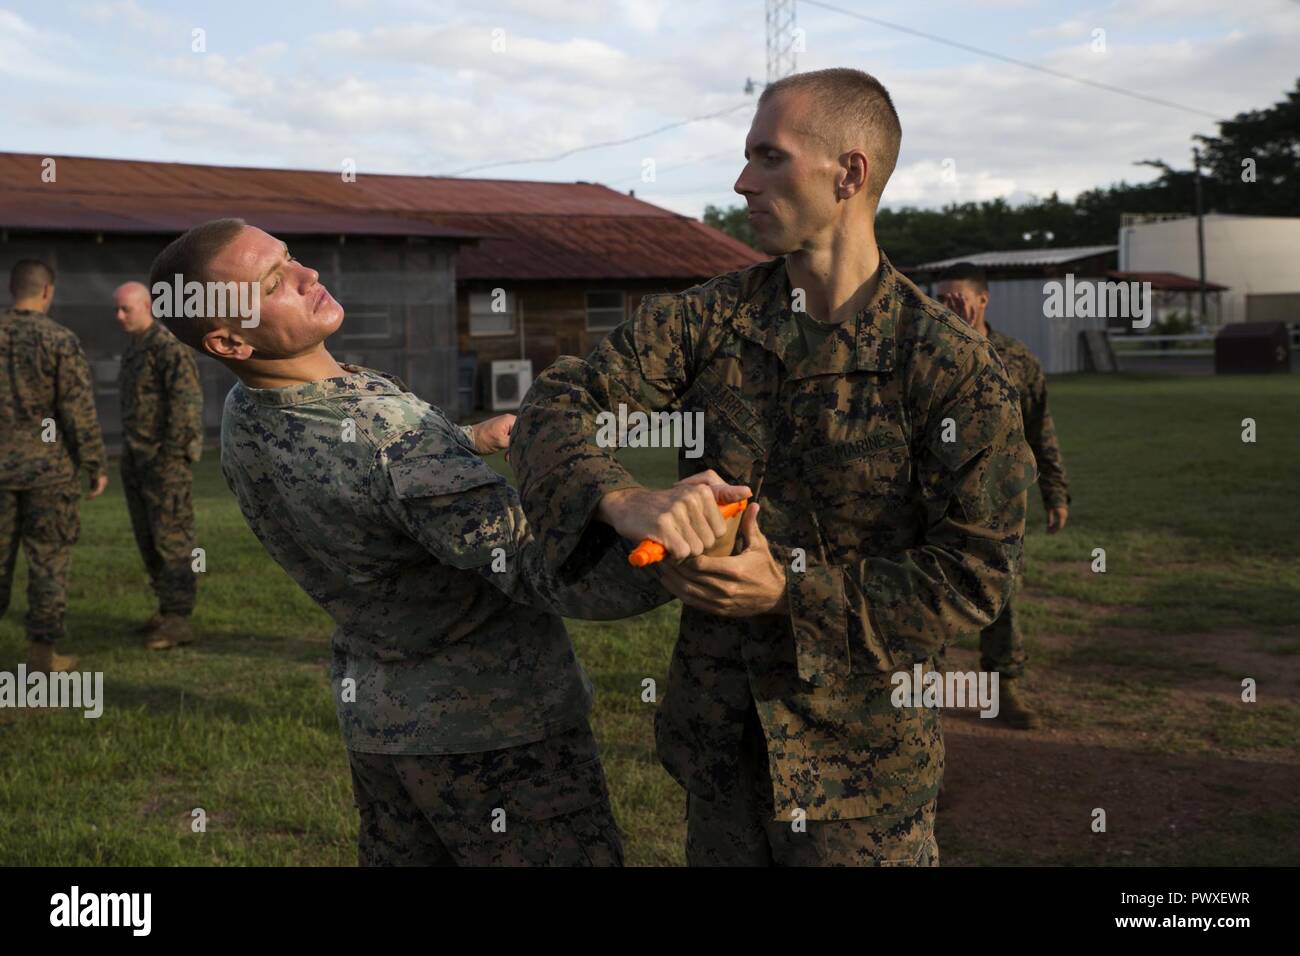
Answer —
857 170
226 344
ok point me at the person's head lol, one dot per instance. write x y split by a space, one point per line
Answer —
968 281
131 307
31 283
820 149
294 312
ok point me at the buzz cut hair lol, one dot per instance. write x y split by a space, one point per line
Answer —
28 278
849 108
966 272
190 256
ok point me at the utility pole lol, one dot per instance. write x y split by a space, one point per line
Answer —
780 39
1200 231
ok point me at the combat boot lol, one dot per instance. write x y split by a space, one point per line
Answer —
148 626
1013 709
41 657
173 631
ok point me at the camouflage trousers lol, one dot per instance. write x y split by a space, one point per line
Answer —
537 804
46 522
162 517
738 829
1002 646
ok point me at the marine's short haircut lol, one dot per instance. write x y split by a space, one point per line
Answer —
849 108
29 277
966 272
189 256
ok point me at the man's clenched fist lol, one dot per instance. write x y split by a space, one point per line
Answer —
684 518
493 435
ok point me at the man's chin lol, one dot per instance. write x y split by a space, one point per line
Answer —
331 320
774 247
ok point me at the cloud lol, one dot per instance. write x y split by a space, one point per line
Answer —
1007 128
643 15
1068 29
427 93
36 56
493 50
129 13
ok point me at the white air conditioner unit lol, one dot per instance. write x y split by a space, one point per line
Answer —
510 381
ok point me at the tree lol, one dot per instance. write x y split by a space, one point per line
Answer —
733 221
1271 138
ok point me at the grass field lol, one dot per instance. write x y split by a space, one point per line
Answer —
1138 671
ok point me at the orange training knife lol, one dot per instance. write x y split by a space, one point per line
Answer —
649 551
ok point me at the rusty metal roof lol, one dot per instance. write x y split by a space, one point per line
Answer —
1167 281
528 230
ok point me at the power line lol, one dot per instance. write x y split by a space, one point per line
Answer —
590 146
730 151
1009 59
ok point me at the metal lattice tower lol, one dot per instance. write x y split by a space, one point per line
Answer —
780 39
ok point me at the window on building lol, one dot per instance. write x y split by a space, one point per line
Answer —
491 313
605 310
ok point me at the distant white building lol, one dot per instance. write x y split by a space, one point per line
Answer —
1256 257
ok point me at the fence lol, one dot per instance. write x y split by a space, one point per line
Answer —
1189 352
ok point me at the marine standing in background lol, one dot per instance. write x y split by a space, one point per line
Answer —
162 438
49 434
964 288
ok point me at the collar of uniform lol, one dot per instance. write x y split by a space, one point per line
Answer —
362 381
151 334
767 319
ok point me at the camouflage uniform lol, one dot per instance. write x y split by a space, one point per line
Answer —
162 437
741 829
46 390
1002 644
909 539
457 687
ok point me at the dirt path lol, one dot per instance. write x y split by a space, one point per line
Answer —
1186 772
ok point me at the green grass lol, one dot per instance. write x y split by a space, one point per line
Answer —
1200 535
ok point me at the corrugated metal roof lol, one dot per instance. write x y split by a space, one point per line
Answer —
1023 257
1167 281
530 230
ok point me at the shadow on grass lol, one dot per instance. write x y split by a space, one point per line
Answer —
290 650
160 699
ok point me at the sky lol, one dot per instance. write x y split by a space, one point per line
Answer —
505 88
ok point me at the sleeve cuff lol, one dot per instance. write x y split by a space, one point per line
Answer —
568 519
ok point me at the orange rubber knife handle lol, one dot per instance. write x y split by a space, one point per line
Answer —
649 551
